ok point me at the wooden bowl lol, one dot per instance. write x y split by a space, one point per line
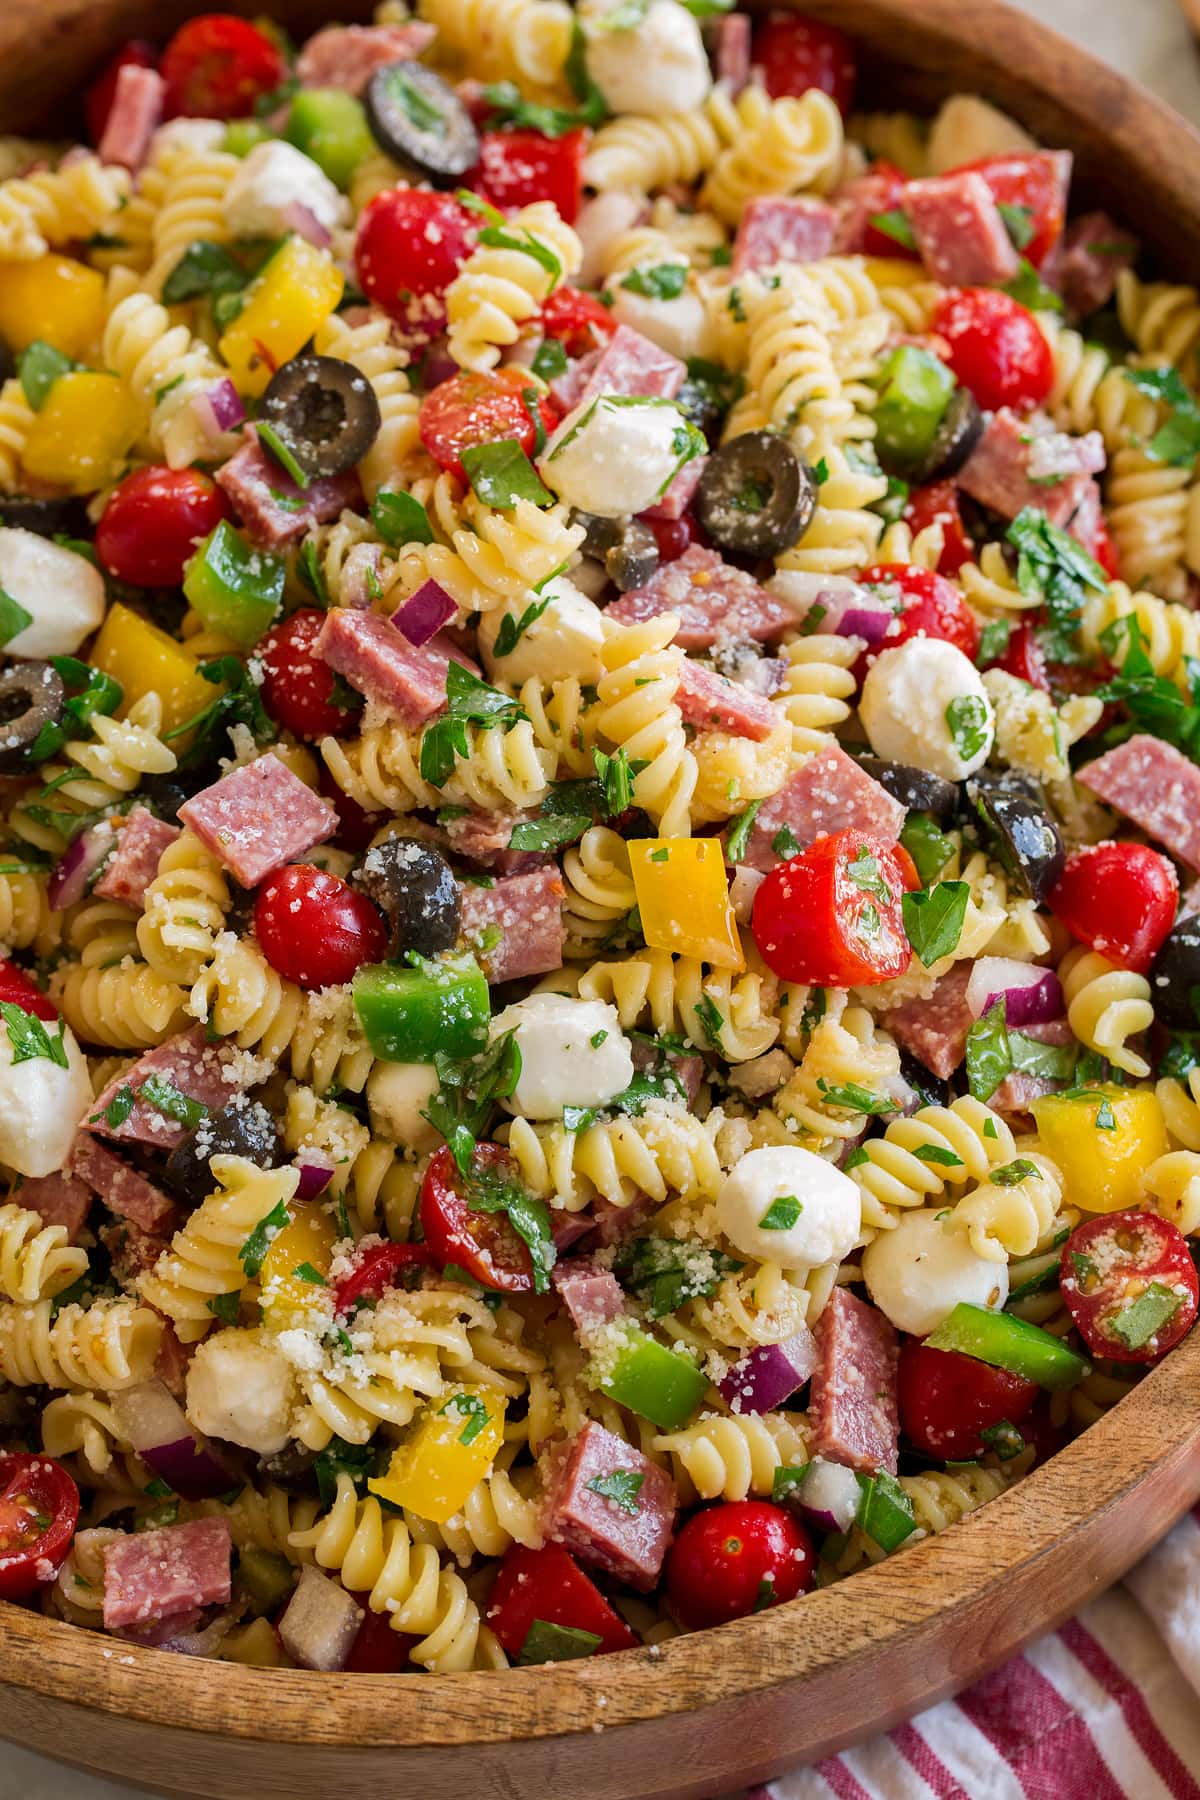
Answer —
711 1712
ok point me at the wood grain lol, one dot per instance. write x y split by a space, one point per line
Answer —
717 1710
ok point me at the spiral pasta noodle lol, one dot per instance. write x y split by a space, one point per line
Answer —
506 40
678 993
637 713
54 205
795 145
502 285
109 1345
184 910
656 1153
36 1261
126 1008
918 1157
732 1458
1106 1007
191 211
16 421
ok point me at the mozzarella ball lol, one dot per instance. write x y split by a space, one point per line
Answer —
680 326
398 1095
657 66
270 183
919 1272
240 1387
612 458
62 591
41 1103
565 640
924 703
814 1212
573 1053
193 135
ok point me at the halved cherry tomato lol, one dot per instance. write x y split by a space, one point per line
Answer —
17 987
995 347
879 191
831 916
1130 1285
377 1269
314 928
378 1650
930 606
674 535
1023 657
937 504
797 53
39 1506
1118 898
481 409
1032 182
738 1558
137 53
948 1400
518 167
216 66
409 247
297 685
549 1585
577 320
152 522
485 1244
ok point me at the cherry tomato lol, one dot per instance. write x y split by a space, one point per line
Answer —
831 916
216 66
377 1269
153 521
410 246
673 535
138 53
878 191
485 1244
16 986
314 928
734 1559
1033 183
1130 1285
1022 656
948 1401
577 320
481 409
1119 899
797 53
548 1584
518 167
995 347
937 504
39 1505
378 1650
297 686
930 606
1096 540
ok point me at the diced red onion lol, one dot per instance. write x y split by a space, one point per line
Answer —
438 366
226 404
78 863
742 889
868 624
314 1179
305 223
158 1429
829 1496
765 1377
320 1622
1032 995
424 613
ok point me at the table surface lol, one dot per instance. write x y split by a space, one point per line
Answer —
1147 39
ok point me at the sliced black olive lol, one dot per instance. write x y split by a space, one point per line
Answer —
701 402
412 885
929 1088
31 695
290 1467
324 410
1175 977
600 535
243 1128
958 433
48 518
755 495
916 789
1022 835
419 120
634 557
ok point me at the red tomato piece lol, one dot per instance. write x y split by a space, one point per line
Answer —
1031 182
938 505
518 167
152 522
1099 544
39 1506
485 1244
947 1401
930 606
995 347
138 53
737 1558
549 1585
577 320
831 916
674 535
16 986
1023 657
314 928
1130 1285
377 1269
409 247
216 67
481 409
297 687
888 187
797 53
378 1650
1119 899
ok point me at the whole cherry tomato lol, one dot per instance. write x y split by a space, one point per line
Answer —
995 347
831 916
1118 898
1033 184
16 987
410 245
297 686
796 53
378 1650
314 928
549 1585
216 67
481 409
577 320
377 1269
1130 1285
485 1244
947 1401
137 53
1023 657
674 535
937 504
152 522
930 606
734 1559
39 1506
517 168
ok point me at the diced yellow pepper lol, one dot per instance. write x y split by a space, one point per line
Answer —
683 899
84 432
145 660
295 293
307 1242
1102 1168
451 1448
56 299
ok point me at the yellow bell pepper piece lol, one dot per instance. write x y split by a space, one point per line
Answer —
450 1450
84 432
295 293
145 660
683 899
56 299
307 1242
1102 1168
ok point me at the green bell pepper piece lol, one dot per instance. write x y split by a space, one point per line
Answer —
657 1383
410 1014
266 1577
1009 1343
235 590
331 127
243 135
914 390
885 1512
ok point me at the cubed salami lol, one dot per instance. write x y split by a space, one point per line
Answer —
609 1505
730 49
1025 462
1093 252
273 509
632 364
346 56
934 1030
123 1190
259 817
858 201
133 117
156 1574
526 911
132 1252
680 494
57 1199
830 792
134 863
376 658
712 702
776 229
853 1404
1156 786
209 1073
591 1295
712 599
171 1363
959 230
482 836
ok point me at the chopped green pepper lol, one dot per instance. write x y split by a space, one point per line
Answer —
885 1512
914 389
235 590
331 127
410 1014
267 1578
652 1381
244 135
1009 1343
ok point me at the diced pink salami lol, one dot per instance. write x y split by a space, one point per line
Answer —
857 202
259 817
713 600
775 229
830 792
624 1531
1017 1092
527 912
157 1574
567 389
959 230
133 866
376 658
712 702
57 1199
935 1030
123 1190
273 509
591 1295
482 836
171 1363
133 117
688 1071
346 56
209 1073
1025 462
616 1224
1156 786
730 51
132 1252
680 494
852 1401
631 364
1093 252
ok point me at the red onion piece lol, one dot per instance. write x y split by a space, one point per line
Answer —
226 404
438 366
865 623
179 1636
1032 995
320 1622
79 861
158 1429
829 1496
765 1377
305 223
424 613
314 1179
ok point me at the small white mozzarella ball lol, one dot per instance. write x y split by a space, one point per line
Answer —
680 326
192 135
240 1387
398 1095
62 591
270 183
573 1053
817 1211
924 703
564 641
614 459
657 66
919 1272
41 1104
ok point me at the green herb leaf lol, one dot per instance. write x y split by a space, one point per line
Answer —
1004 1439
665 281
361 1462
854 1098
13 617
305 1272
549 359
782 1213
1014 1173
865 873
885 1512
167 1099
239 704
529 1217
471 1408
258 1243
785 1481
1057 573
933 919
1018 222
546 1643
29 1039
501 474
711 1022
400 518
39 367
785 843
226 1307
927 844
203 271
117 1110
276 446
1137 1323
513 630
1029 290
1177 441
993 641
969 718
739 832
621 1487
936 1153
894 225
469 701
421 111
616 777
988 1057
468 1092
664 1273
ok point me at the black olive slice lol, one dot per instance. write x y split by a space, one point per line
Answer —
1024 838
959 431
916 789
48 518
325 411
414 888
31 696
755 495
633 558
243 1128
1175 977
417 119
600 535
